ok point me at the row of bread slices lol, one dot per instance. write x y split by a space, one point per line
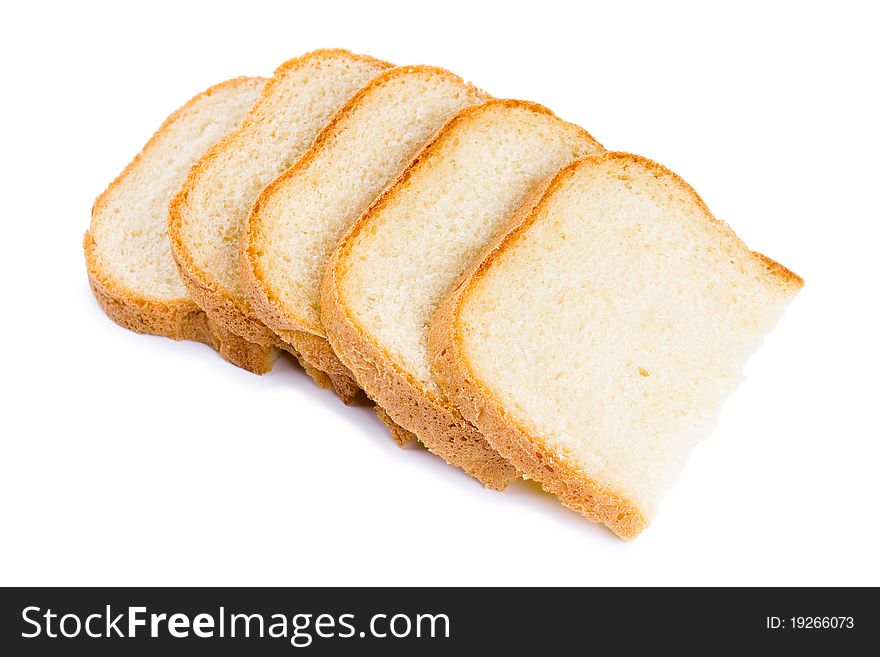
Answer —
333 210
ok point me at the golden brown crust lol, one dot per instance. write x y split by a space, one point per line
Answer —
320 362
316 351
785 275
400 435
575 488
442 430
179 319
439 426
221 304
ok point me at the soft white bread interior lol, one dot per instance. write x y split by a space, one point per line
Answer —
208 213
596 342
298 219
388 273
128 255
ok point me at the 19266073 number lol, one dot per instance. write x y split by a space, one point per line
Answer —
811 623
822 622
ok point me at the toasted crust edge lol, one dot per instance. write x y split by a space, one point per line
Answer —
439 426
574 488
461 444
178 319
215 299
398 434
182 320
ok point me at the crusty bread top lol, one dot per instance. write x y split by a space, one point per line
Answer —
207 214
128 236
606 330
400 258
300 217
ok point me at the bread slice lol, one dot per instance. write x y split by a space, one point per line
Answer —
211 207
596 342
388 273
128 255
298 219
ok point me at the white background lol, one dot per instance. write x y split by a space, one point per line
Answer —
130 460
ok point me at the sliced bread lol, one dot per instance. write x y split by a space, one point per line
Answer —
298 219
595 343
212 205
128 255
384 280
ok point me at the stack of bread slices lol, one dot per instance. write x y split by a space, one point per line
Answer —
502 288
